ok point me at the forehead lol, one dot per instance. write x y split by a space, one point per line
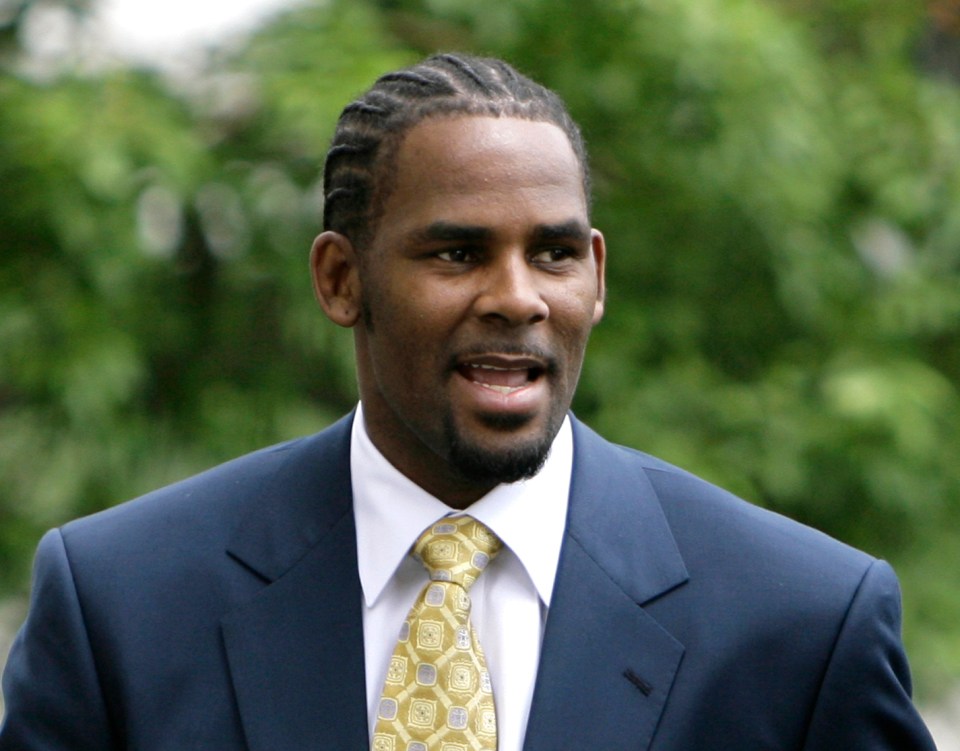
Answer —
479 168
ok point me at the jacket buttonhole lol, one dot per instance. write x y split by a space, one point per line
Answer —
641 685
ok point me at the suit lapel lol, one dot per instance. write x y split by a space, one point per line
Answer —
607 667
295 650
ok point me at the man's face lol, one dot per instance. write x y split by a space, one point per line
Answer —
479 290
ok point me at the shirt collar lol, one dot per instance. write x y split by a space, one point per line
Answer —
391 511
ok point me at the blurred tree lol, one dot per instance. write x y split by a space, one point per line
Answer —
778 182
156 314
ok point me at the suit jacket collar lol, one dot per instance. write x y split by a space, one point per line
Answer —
616 516
297 506
295 650
606 666
604 659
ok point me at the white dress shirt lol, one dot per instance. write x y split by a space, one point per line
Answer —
511 599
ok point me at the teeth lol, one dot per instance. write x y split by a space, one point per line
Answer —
494 367
501 379
501 389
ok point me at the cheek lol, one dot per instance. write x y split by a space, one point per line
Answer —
577 314
573 333
408 337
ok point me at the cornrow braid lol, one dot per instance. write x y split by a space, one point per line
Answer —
357 176
467 69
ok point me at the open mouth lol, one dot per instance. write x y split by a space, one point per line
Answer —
502 377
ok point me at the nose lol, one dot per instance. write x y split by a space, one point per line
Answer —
510 293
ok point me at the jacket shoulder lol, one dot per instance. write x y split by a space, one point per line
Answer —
717 531
198 516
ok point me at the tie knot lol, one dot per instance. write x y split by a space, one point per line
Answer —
457 549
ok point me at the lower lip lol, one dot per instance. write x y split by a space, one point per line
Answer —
524 400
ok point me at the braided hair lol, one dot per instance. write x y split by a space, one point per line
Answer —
357 174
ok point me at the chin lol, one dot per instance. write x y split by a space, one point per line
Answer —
510 458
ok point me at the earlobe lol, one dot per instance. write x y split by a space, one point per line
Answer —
599 248
336 278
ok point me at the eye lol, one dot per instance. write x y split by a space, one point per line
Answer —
457 255
554 254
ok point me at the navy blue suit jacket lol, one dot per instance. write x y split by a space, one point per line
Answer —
224 612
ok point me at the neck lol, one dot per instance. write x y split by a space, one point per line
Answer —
433 473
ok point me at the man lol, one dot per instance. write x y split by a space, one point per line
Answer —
632 605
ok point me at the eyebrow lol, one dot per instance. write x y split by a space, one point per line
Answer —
572 230
450 232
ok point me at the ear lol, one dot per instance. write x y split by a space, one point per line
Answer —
336 277
599 248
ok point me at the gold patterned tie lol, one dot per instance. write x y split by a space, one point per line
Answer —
438 695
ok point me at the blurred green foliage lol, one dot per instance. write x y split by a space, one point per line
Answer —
778 182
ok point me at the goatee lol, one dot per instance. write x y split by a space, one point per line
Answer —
512 463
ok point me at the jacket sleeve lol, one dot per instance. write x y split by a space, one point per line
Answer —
865 699
51 688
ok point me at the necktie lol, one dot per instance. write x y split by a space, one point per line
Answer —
437 695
